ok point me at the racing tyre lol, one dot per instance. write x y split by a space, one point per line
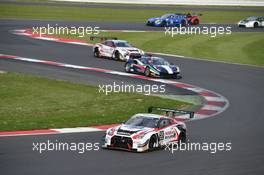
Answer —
116 55
196 22
127 67
182 137
147 72
163 24
183 23
151 144
178 77
96 52
255 25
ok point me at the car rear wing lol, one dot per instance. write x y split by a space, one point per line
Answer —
192 14
102 38
171 112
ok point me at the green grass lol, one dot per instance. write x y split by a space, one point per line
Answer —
151 5
108 14
244 48
28 102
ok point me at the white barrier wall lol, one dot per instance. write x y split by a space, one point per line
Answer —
180 2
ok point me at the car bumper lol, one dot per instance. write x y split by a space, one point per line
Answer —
246 25
124 143
150 23
126 57
166 75
153 24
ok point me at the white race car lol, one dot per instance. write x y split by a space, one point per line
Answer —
143 132
252 22
117 50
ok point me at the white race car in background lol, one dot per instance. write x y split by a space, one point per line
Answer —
143 132
252 22
117 50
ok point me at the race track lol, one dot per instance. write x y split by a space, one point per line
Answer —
136 26
241 124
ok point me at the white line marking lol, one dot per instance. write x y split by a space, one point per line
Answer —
211 107
218 99
77 130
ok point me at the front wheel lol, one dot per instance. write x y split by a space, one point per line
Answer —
96 53
147 72
116 55
255 25
183 23
151 144
127 67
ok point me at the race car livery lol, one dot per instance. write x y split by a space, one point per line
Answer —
172 20
116 49
152 67
252 22
146 132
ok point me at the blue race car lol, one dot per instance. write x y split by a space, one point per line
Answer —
152 67
174 20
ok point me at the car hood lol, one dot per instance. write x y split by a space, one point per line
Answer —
166 69
153 19
128 49
246 21
130 130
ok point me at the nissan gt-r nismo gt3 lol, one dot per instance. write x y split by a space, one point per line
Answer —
252 22
152 67
116 49
143 132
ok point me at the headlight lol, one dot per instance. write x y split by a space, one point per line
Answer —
178 69
110 132
158 21
139 136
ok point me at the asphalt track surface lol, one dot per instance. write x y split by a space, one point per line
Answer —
132 6
135 26
241 124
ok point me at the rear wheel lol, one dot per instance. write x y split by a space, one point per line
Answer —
96 52
178 77
255 25
196 22
163 24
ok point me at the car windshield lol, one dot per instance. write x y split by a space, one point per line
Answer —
252 18
123 44
166 15
149 122
158 61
